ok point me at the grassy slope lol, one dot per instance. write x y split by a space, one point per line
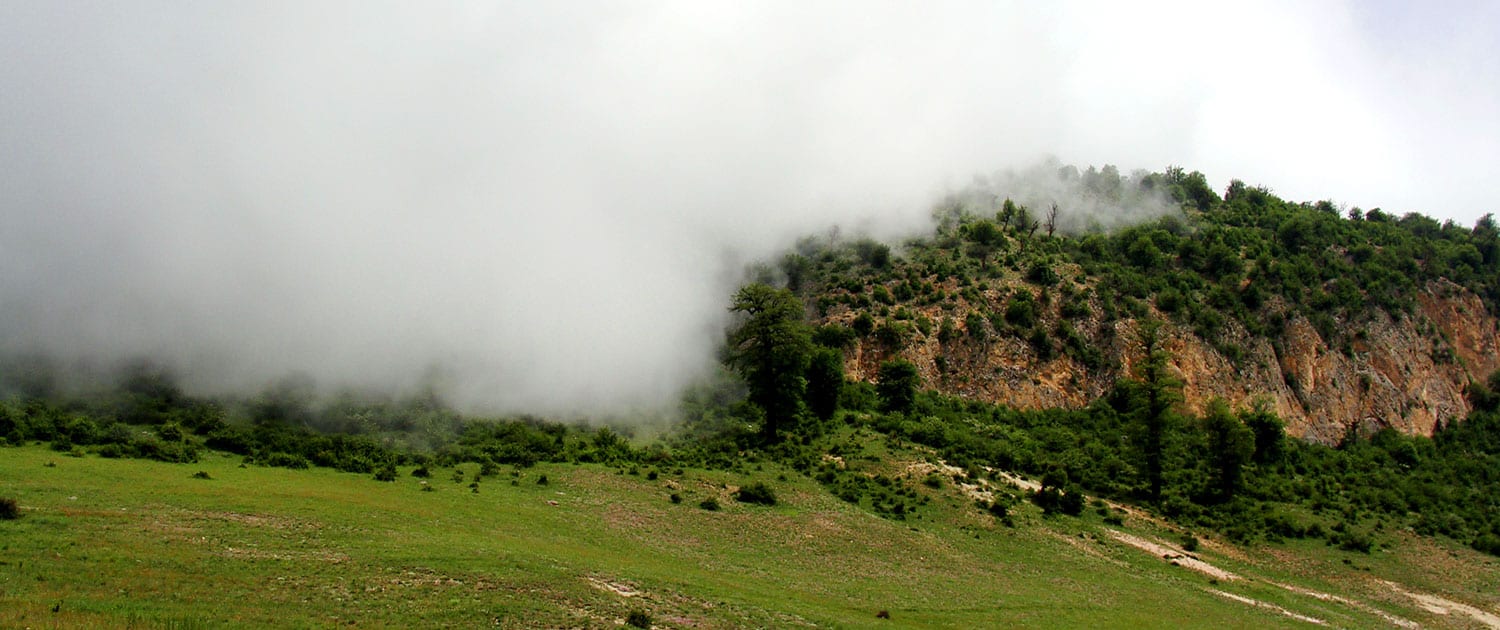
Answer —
114 543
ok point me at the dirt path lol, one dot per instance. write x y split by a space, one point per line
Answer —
1269 606
1443 606
1172 554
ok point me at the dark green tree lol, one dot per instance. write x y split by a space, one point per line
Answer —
1157 394
897 386
771 350
1269 432
825 380
1230 446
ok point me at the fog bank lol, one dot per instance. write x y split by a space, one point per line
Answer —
545 206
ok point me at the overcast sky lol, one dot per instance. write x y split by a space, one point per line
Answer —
544 205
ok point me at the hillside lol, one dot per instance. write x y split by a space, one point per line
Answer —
133 544
1009 421
1334 321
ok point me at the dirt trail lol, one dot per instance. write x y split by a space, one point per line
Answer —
1329 597
1443 606
1267 605
1173 554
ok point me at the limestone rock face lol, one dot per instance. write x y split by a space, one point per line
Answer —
1407 372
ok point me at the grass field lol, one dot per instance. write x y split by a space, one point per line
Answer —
130 543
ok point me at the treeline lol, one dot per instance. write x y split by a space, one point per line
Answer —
145 414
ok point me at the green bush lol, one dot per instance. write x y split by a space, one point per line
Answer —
9 510
638 619
758 493
386 473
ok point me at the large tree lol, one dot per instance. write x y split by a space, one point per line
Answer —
1230 446
771 349
1156 394
897 386
825 379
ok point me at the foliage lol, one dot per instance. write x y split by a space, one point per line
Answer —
771 349
758 493
825 381
638 618
897 386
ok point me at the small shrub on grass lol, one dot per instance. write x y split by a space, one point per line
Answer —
1352 540
9 510
758 493
542 480
286 460
638 619
1189 543
1488 543
651 476
202 474
421 472
386 473
675 498
710 504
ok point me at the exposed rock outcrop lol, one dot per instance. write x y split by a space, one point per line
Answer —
1407 372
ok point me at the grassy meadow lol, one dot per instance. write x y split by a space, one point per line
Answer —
129 543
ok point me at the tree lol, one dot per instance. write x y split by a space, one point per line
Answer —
1269 432
825 380
1230 446
897 386
1051 220
771 351
1158 392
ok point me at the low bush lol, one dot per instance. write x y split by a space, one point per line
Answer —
638 619
758 493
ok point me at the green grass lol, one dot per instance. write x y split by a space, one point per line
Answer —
129 543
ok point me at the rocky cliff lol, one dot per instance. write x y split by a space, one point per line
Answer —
1407 372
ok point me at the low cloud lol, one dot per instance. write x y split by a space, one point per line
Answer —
546 207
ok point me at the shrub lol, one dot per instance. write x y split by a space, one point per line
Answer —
1189 543
9 510
202 474
1352 540
421 472
675 498
1488 543
710 504
542 480
386 473
758 493
286 460
638 619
